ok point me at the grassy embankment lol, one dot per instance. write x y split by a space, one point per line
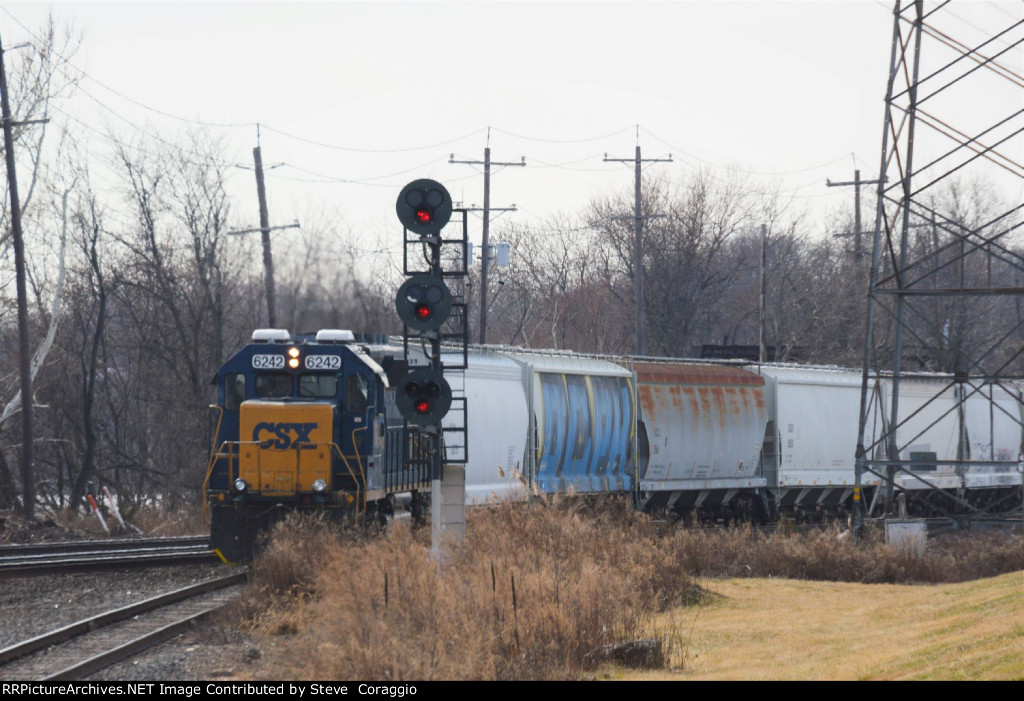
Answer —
536 590
797 629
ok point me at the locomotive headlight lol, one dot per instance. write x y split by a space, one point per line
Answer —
293 357
293 363
319 486
241 485
293 352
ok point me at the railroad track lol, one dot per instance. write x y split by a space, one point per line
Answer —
75 651
51 558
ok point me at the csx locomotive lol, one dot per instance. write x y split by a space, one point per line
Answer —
312 422
302 423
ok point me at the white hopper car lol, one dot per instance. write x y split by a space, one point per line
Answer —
726 440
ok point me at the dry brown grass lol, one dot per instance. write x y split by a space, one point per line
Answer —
185 519
532 593
537 589
66 524
770 629
830 554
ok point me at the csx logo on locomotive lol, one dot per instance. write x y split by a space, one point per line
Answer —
284 435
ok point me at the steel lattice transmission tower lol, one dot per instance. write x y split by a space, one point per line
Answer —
946 289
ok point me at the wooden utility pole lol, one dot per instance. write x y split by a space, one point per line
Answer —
638 241
268 260
24 366
858 250
485 242
762 346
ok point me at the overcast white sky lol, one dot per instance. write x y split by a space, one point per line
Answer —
358 98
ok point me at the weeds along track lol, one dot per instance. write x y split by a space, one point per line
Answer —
77 650
48 558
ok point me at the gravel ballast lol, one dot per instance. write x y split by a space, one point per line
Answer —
211 650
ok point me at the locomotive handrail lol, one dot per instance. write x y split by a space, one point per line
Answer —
214 456
232 459
355 447
360 494
216 432
220 419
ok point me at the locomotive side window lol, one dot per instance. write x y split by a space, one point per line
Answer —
234 391
357 393
318 385
277 384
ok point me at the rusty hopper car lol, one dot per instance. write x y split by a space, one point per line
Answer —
701 428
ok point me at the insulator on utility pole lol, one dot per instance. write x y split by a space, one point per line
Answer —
485 243
858 248
638 243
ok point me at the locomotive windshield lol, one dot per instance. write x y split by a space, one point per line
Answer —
318 385
276 384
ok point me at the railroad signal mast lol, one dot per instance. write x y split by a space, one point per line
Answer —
431 315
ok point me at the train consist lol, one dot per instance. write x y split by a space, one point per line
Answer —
311 422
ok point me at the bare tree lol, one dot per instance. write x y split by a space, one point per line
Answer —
170 295
37 76
331 279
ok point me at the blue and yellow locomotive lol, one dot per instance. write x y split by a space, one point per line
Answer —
304 422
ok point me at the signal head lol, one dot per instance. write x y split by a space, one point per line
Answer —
424 207
424 302
424 397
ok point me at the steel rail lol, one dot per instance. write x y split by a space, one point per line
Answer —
16 549
107 618
89 562
127 650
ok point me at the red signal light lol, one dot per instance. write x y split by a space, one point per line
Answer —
424 312
424 207
424 397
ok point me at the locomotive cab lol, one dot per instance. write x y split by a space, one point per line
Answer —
299 423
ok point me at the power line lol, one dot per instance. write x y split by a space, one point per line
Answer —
562 141
68 62
328 180
362 181
566 164
995 6
371 150
172 145
739 170
229 125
